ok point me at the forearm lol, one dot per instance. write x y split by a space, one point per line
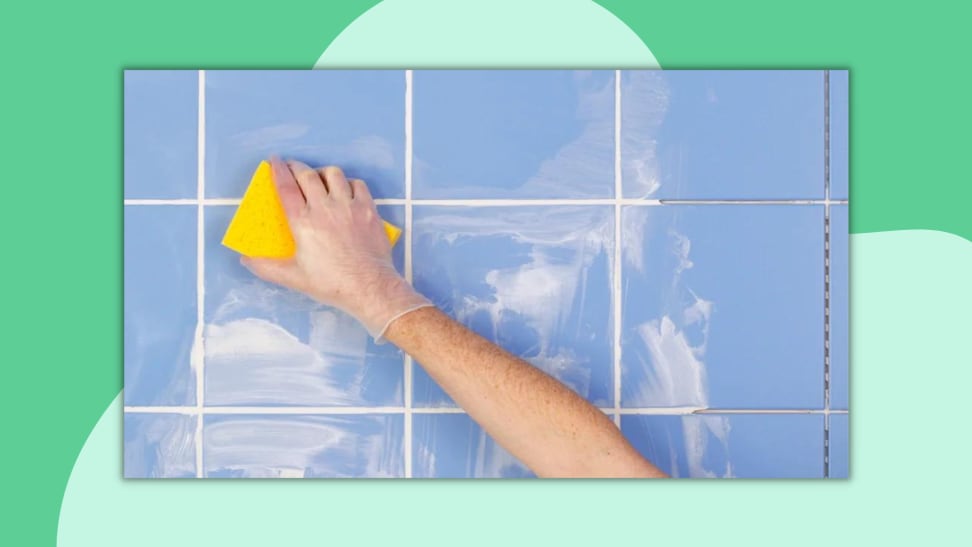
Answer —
551 429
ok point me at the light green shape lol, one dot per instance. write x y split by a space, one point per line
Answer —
911 298
497 33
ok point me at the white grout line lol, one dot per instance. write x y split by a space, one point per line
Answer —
197 358
409 366
826 113
741 202
616 292
359 410
438 410
515 202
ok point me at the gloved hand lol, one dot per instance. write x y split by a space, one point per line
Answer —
343 256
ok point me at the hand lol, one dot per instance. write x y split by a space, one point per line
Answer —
343 256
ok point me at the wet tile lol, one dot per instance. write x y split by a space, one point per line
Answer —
724 446
454 446
839 134
160 304
839 308
351 118
534 280
299 446
839 446
161 134
160 446
266 345
513 134
694 134
722 306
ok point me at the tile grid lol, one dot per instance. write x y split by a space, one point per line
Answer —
826 443
616 292
409 366
197 357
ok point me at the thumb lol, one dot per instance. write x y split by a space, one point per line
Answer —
281 272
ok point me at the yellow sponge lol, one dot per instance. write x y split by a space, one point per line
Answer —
259 228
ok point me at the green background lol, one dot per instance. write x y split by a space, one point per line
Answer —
62 132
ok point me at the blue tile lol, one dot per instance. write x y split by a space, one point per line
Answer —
351 118
535 280
454 446
722 306
722 134
160 446
160 304
839 308
297 446
839 446
161 136
513 134
723 446
266 345
839 134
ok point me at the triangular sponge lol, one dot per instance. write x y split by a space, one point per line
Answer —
259 228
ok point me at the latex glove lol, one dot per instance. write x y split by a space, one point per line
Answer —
343 256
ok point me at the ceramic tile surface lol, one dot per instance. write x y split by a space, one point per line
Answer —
722 306
265 345
839 308
514 134
161 113
839 134
516 276
839 446
160 305
452 446
701 134
668 225
268 446
731 446
355 119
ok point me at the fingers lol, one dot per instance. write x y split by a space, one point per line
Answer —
290 196
310 181
337 184
359 190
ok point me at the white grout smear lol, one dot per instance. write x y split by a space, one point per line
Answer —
563 244
160 446
582 160
255 360
303 446
646 97
674 372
